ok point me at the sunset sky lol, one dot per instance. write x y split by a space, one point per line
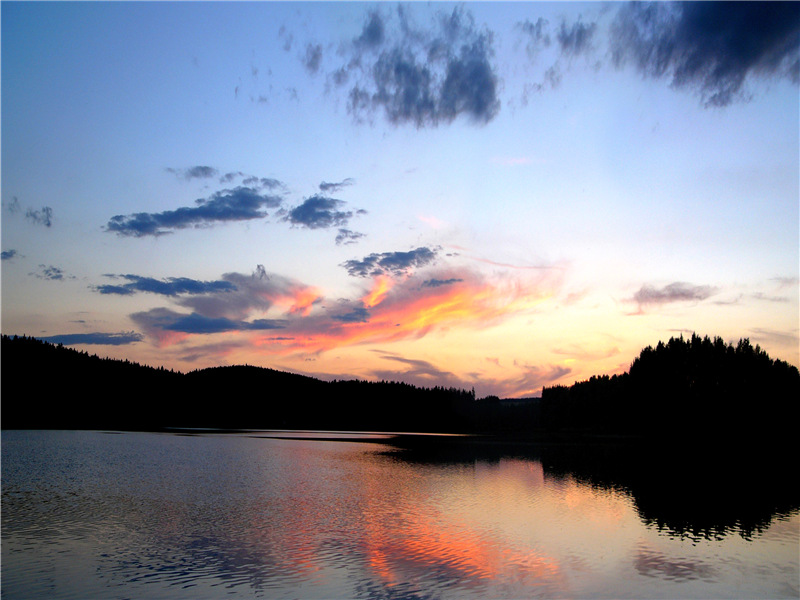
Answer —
497 195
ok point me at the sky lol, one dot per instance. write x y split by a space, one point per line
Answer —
498 196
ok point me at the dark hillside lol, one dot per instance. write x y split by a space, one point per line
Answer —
684 390
49 386
696 388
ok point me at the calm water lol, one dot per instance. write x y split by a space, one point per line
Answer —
138 515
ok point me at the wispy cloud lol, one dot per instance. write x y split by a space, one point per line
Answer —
391 263
312 58
51 273
253 294
103 339
404 309
197 172
171 286
422 76
389 309
441 282
674 292
347 236
40 217
416 372
8 254
238 204
170 321
13 206
334 187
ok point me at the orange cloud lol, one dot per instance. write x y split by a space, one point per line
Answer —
411 309
383 283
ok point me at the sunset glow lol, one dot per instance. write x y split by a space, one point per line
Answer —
534 202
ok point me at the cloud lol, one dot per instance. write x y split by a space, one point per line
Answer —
13 206
319 212
335 187
781 338
253 294
171 286
403 309
391 263
388 309
538 35
346 237
104 339
312 58
260 272
440 282
576 39
51 273
238 204
674 292
357 315
710 47
420 76
198 172
8 254
417 372
161 322
40 217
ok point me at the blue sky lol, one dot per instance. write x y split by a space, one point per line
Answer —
497 195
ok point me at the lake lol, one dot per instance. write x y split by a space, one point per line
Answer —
298 515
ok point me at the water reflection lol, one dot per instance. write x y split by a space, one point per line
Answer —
695 492
205 516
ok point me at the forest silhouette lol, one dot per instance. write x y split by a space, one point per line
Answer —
686 389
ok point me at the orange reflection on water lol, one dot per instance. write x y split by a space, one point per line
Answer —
436 544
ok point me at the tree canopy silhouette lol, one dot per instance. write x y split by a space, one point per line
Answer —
695 388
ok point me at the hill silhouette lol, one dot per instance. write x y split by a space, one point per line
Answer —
684 389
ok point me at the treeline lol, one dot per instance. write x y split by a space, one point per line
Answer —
51 386
684 389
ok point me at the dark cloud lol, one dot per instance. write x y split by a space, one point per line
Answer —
674 292
312 58
357 315
335 187
391 263
711 47
576 39
40 217
421 76
538 35
432 283
573 40
288 38
233 175
373 33
238 204
319 212
198 172
105 339
8 254
171 286
13 206
252 293
346 237
170 321
51 273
